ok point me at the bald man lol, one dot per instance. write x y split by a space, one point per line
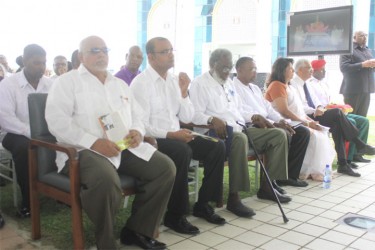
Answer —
74 105
358 75
134 59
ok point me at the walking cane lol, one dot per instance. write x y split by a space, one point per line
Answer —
251 144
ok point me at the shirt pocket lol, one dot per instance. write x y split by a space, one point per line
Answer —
156 105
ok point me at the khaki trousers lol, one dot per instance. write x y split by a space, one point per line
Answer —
272 143
101 193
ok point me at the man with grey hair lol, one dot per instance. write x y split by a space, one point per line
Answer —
74 106
358 75
340 127
217 104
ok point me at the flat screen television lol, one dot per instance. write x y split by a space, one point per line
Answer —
319 32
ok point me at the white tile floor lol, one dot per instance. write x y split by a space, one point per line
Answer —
311 214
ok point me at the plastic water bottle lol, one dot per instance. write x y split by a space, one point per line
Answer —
327 177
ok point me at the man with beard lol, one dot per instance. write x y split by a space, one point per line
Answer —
217 103
14 114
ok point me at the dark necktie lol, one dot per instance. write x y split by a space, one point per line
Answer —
308 96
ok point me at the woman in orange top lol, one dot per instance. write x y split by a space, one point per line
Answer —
284 99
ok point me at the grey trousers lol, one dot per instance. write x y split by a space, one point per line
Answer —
101 193
272 143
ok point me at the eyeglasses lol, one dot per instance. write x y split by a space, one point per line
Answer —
164 52
95 51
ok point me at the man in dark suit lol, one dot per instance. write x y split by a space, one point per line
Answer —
340 127
358 72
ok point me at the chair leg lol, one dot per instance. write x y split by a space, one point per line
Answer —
196 185
126 201
14 183
35 215
78 237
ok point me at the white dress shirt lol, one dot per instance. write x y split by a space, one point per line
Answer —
14 112
254 103
319 91
76 101
298 83
162 103
210 98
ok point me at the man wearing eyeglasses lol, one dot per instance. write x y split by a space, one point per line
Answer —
358 75
76 102
60 66
165 102
217 103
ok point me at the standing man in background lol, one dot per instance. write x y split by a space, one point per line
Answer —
130 70
358 75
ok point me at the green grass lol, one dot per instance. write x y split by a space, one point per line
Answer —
56 217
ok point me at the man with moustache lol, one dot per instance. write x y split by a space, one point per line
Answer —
60 66
74 105
165 102
217 103
14 114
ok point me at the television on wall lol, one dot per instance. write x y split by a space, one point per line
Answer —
319 32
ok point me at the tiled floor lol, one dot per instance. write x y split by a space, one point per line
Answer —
311 214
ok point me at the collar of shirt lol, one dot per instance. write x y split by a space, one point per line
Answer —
22 81
83 71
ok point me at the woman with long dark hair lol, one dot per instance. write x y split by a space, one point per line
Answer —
284 99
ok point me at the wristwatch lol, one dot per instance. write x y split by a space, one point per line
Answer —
209 121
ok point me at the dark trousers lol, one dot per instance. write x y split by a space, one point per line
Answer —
297 149
18 147
341 128
359 102
212 154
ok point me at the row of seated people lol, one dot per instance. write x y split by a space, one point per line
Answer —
154 104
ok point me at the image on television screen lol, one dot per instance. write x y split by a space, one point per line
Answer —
323 31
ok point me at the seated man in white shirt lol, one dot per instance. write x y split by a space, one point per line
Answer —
14 114
216 102
165 101
255 104
76 102
340 127
320 93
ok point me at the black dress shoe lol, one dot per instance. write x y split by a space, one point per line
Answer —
359 158
23 212
180 225
366 150
346 169
207 212
278 188
129 237
353 165
2 221
240 209
268 195
292 182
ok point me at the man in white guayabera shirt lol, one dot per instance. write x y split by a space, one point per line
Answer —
74 105
217 103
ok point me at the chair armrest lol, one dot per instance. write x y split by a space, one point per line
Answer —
57 146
